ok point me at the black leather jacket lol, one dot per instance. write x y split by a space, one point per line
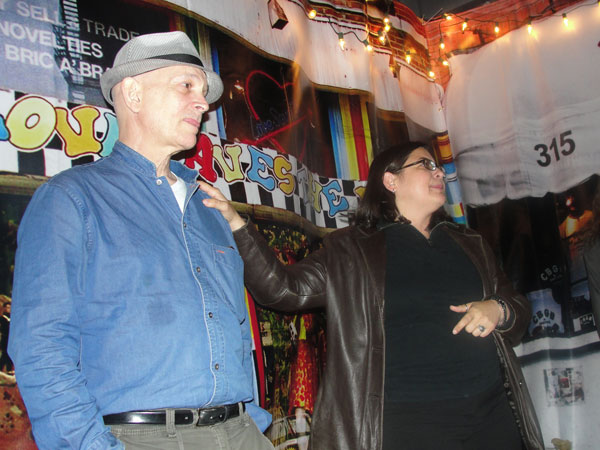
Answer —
347 278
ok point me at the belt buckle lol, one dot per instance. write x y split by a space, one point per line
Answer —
212 416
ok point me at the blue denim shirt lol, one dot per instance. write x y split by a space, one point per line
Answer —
121 302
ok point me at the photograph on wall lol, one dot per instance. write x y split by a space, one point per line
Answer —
540 243
574 212
564 386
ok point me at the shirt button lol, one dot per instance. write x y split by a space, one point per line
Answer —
184 225
217 366
158 182
198 269
210 315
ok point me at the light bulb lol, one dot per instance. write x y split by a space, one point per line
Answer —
341 40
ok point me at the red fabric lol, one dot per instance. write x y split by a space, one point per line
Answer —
359 136
304 374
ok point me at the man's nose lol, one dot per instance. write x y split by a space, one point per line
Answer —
201 103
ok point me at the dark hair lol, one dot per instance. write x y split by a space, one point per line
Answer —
378 205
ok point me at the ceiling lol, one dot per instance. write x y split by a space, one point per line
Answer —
427 9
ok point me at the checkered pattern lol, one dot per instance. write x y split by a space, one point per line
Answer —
51 159
300 201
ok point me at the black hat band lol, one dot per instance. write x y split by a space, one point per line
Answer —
180 57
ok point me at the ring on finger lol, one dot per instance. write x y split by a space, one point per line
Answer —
481 328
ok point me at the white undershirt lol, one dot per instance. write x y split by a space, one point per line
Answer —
179 191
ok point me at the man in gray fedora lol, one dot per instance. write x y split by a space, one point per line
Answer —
129 325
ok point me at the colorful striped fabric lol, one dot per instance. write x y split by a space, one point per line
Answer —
259 365
453 193
351 136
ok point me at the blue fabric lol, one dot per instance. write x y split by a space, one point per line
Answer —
122 303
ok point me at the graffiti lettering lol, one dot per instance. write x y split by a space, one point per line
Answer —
77 143
32 121
335 199
231 172
4 134
204 157
111 135
281 168
314 192
257 171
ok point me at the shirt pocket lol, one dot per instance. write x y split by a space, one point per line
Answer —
229 276
228 256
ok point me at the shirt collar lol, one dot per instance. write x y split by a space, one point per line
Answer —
143 165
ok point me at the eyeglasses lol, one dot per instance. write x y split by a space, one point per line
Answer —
429 164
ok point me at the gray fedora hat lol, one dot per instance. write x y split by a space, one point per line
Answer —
155 51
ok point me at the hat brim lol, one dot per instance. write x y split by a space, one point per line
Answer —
115 75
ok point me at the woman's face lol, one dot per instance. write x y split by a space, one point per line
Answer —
417 190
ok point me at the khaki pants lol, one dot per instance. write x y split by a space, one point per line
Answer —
239 433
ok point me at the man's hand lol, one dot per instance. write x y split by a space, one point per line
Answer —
218 201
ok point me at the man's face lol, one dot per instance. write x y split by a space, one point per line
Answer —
172 106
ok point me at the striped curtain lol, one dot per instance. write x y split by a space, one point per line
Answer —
351 137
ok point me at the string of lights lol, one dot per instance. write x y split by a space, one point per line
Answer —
501 25
376 34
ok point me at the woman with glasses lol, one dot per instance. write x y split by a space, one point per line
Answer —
420 319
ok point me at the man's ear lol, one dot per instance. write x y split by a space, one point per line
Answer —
131 91
389 181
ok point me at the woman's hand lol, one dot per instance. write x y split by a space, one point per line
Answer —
218 201
480 319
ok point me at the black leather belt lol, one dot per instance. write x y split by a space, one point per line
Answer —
206 416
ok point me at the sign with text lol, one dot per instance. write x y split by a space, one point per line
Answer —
60 48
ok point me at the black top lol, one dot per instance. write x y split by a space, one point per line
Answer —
424 361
